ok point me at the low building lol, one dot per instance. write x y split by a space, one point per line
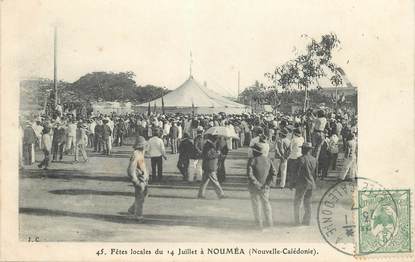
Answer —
110 107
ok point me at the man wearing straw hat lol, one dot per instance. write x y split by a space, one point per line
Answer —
156 151
261 174
138 174
209 166
304 183
282 152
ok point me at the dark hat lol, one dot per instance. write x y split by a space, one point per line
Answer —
46 130
307 145
140 142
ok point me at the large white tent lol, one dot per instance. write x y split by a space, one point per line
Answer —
192 95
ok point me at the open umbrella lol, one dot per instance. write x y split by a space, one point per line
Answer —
222 131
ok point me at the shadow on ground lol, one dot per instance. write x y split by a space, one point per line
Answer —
169 181
151 219
77 192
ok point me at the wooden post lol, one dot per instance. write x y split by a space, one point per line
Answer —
55 66
239 76
335 105
190 64
305 100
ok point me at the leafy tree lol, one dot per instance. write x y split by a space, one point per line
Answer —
304 71
107 86
253 93
258 94
95 86
110 86
149 92
36 91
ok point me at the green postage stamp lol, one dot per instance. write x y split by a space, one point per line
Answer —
384 221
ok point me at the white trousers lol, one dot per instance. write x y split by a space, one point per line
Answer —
195 170
350 167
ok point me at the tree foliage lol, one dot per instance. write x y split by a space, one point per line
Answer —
107 86
95 86
110 86
304 71
252 93
259 94
35 91
149 92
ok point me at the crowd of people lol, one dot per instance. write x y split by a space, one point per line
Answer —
284 150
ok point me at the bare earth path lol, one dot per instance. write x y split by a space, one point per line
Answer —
88 202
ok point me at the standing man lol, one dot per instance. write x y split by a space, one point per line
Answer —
98 130
58 141
324 157
197 155
91 135
29 140
111 136
120 132
304 183
166 131
261 174
185 152
296 143
180 132
46 147
138 174
345 132
282 152
333 150
174 134
156 152
209 166
194 125
246 133
106 137
318 133
38 128
71 136
350 158
81 138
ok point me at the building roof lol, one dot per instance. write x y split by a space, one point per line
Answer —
192 93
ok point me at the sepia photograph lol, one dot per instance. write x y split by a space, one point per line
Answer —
108 151
205 122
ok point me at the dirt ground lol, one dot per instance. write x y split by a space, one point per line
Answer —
88 202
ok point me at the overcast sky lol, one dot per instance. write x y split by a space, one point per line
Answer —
153 39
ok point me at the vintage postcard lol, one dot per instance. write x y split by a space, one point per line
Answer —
207 130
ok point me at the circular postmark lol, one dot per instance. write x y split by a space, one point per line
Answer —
352 211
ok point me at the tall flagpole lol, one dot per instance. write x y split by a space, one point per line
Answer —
191 61
239 77
55 65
